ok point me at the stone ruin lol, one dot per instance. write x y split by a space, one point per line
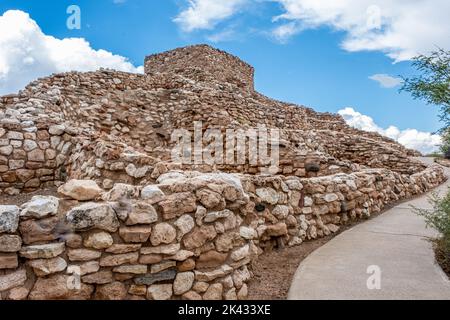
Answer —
128 222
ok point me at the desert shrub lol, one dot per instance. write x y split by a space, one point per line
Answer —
439 218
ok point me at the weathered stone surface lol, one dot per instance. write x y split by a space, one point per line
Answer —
181 255
183 282
121 191
12 279
231 294
8 261
98 240
87 267
142 213
214 292
131 269
81 190
177 204
185 224
123 248
281 211
44 251
9 218
187 265
211 259
214 274
199 237
39 230
163 233
159 292
248 233
19 293
150 259
83 254
136 234
209 198
225 242
10 243
73 240
152 194
138 290
59 287
243 292
267 195
276 230
93 215
240 253
111 291
44 267
101 277
40 207
169 249
155 268
119 259
150 278
191 296
213 216
200 286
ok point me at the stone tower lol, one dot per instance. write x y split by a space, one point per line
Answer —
202 63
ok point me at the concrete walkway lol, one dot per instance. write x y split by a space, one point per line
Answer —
396 243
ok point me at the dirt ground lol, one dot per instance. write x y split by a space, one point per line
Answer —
273 271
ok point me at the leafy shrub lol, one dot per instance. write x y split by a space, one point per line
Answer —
439 218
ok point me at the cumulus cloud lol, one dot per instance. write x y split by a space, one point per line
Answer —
26 53
386 81
401 28
205 14
424 142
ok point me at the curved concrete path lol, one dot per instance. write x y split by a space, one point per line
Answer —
396 244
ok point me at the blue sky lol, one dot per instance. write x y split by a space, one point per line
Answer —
306 58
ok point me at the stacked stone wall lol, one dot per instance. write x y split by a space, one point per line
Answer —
190 236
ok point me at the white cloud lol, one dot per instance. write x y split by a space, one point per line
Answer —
386 81
205 14
400 28
26 53
283 32
424 142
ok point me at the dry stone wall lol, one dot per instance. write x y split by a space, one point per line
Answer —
32 157
191 236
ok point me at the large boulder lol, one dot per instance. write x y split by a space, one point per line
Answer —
81 190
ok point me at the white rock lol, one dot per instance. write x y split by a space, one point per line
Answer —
248 233
240 253
183 282
213 216
93 215
9 218
185 224
267 195
81 190
40 207
152 193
